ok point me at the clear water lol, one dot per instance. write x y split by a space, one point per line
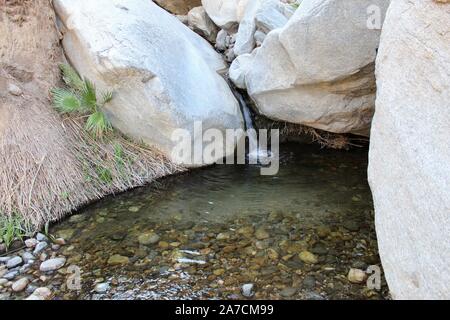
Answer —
320 202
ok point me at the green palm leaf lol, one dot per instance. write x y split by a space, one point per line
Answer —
66 101
89 96
106 97
97 124
81 97
71 77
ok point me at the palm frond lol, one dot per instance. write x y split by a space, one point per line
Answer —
66 101
89 96
106 97
81 97
97 124
71 77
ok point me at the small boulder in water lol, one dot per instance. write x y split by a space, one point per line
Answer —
148 238
117 259
356 276
308 257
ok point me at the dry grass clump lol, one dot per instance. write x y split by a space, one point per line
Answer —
49 165
324 138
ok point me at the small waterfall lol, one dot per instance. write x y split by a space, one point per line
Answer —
255 153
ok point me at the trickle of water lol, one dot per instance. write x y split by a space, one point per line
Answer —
256 153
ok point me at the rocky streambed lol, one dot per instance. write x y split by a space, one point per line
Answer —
223 232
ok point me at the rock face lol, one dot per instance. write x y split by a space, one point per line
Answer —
164 76
262 15
181 7
225 13
318 69
409 170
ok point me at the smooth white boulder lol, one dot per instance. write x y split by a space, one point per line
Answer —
409 167
318 69
224 13
164 76
239 69
245 41
271 15
265 15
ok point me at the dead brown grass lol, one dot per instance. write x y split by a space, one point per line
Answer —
325 139
48 165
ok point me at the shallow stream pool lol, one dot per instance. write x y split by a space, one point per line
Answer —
206 233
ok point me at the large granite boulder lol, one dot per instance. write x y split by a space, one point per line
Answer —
164 76
225 13
318 69
409 169
263 15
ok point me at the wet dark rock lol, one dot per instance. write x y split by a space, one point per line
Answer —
352 226
313 296
288 292
65 233
261 234
15 245
309 282
323 231
268 271
320 249
359 265
77 218
118 260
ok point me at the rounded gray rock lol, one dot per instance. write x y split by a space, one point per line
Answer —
101 287
52 264
14 262
247 290
20 285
